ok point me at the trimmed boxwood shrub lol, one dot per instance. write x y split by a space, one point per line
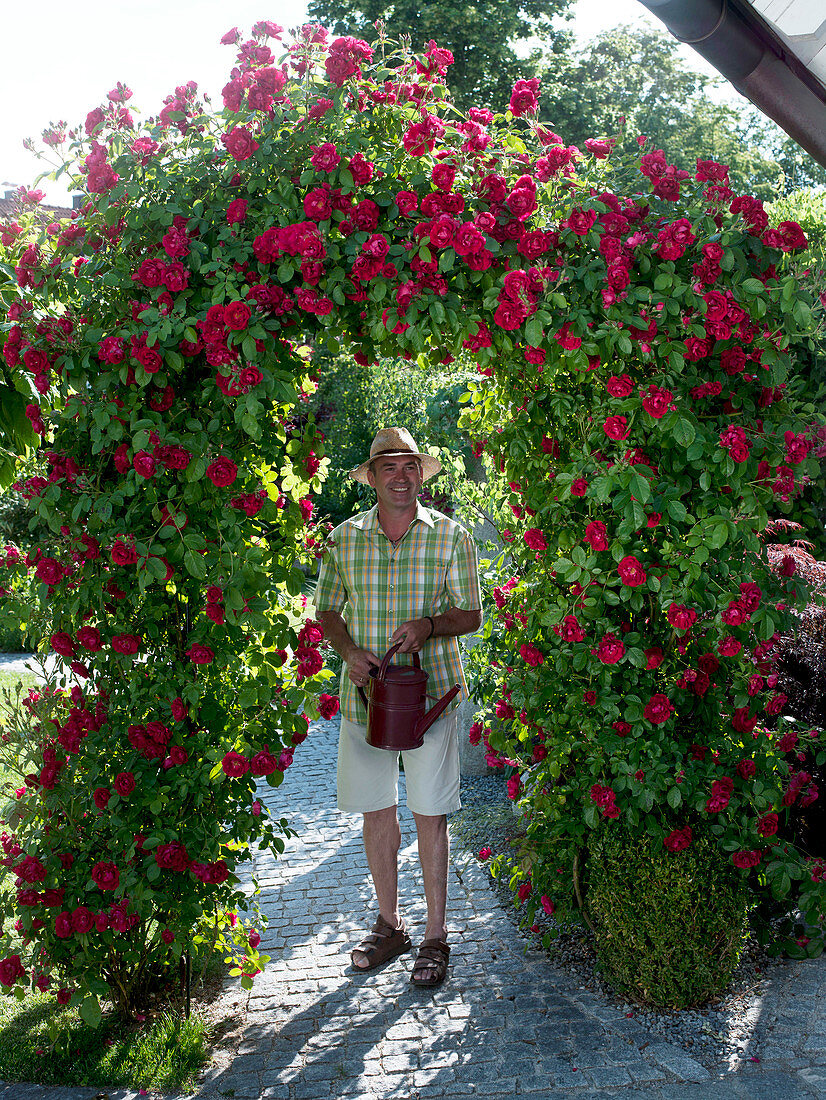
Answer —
669 926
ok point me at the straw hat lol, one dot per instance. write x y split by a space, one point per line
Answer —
393 442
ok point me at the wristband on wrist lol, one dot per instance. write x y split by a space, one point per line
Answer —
432 627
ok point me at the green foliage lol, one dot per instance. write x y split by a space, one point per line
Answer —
807 207
669 927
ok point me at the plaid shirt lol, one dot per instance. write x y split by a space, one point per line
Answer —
376 587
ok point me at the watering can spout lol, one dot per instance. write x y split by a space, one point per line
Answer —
427 720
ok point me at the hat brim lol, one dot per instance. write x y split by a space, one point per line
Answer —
430 465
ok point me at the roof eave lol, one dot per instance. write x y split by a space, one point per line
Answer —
739 45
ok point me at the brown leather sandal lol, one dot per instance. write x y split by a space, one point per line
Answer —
384 943
433 958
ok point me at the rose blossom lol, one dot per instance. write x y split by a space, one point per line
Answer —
620 385
531 655
569 629
62 643
11 969
124 783
525 97
200 654
237 211
595 535
123 552
653 657
144 464
240 143
657 402
89 637
235 765
745 860
237 315
106 875
611 649
631 572
679 839
263 763
616 427
172 857
101 797
49 571
681 617
658 709
222 472
535 539
328 706
83 920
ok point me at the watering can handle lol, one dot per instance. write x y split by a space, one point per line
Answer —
383 669
389 655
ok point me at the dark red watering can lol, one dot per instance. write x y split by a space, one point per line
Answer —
396 712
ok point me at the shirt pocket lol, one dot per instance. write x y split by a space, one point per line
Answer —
433 592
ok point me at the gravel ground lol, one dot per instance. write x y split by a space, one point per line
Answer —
715 1034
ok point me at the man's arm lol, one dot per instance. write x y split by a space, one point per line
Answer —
359 661
451 623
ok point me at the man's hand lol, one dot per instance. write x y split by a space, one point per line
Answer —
412 635
359 662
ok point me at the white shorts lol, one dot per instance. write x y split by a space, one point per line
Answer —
368 778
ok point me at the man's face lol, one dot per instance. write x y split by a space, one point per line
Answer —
397 480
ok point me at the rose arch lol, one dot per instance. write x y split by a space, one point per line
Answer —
642 341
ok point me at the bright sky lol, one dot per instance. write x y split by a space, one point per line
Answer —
60 61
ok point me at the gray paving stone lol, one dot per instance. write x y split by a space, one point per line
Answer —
642 1071
608 1076
814 1077
447 1090
240 1087
773 1086
312 1090
720 1090
678 1062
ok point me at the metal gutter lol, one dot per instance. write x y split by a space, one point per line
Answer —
734 39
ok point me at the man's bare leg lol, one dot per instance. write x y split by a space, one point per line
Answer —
382 840
434 853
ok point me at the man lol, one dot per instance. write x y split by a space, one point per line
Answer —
400 573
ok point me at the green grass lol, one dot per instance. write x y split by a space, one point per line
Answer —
10 680
166 1052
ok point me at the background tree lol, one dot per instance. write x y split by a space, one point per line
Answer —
482 36
631 81
354 400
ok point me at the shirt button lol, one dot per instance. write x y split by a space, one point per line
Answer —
392 586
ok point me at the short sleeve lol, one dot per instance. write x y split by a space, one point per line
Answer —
462 580
330 593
